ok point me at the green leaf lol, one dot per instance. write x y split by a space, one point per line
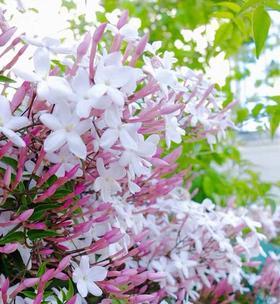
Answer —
42 269
242 114
231 5
41 209
223 14
275 98
70 291
261 25
6 79
249 4
9 161
256 110
40 234
11 237
273 4
224 31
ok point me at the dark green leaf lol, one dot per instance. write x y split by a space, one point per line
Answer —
16 236
6 79
40 234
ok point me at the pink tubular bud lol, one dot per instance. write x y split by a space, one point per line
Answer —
154 276
9 248
7 176
48 275
39 298
64 263
25 215
61 276
5 37
72 300
144 298
48 174
99 32
30 282
123 19
112 288
83 47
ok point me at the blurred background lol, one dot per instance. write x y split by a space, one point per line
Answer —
234 43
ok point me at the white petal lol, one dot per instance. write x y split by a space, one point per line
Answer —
80 83
76 145
116 96
28 76
17 123
98 90
50 121
13 136
126 140
94 289
98 183
116 171
82 288
98 273
55 140
108 138
112 116
5 108
41 60
117 76
84 264
100 167
83 126
83 108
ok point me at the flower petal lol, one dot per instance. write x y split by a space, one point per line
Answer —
82 288
108 138
16 123
98 273
54 141
94 289
41 61
76 145
80 82
50 121
13 136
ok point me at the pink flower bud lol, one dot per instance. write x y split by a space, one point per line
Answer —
5 37
72 300
25 215
9 248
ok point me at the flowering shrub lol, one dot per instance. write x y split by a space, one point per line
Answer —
92 207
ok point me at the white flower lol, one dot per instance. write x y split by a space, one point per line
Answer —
9 124
60 295
107 183
173 133
127 133
161 70
66 160
83 95
67 128
182 263
113 81
135 158
153 47
49 43
52 88
129 31
85 277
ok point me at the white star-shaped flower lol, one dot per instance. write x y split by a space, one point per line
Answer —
85 277
9 123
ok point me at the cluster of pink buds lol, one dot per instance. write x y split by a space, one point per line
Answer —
89 140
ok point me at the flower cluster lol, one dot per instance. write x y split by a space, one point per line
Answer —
88 171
